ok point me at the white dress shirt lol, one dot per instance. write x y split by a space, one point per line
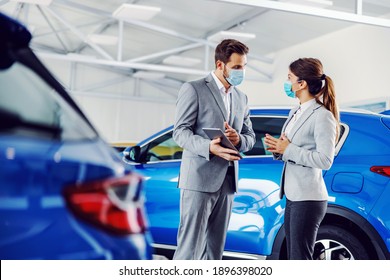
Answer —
302 108
226 94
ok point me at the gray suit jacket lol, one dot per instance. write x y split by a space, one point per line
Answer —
311 150
200 105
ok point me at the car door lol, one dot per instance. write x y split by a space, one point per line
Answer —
162 157
257 209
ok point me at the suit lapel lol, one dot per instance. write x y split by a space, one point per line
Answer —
216 94
233 105
289 118
305 116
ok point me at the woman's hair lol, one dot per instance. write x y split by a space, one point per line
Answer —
311 71
227 47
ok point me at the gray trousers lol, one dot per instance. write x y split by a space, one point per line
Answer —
204 219
301 222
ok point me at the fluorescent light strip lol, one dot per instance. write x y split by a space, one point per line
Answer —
147 75
181 60
135 12
103 39
311 3
36 2
221 35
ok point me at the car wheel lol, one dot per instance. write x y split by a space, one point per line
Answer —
335 243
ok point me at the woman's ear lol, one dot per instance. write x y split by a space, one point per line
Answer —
302 84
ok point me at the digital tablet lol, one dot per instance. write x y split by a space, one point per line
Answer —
213 133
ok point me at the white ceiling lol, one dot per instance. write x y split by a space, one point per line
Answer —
181 29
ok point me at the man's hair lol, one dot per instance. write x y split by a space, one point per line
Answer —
227 47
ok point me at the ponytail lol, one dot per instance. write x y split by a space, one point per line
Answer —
329 101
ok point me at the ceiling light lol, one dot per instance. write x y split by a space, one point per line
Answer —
181 60
147 75
103 39
221 35
135 12
36 2
311 3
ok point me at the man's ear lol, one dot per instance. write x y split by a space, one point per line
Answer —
219 65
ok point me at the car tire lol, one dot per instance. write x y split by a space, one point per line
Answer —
336 243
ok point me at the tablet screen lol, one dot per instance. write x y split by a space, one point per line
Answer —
213 133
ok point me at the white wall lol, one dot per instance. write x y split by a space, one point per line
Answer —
356 58
126 120
118 111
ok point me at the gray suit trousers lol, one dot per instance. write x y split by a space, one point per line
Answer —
204 219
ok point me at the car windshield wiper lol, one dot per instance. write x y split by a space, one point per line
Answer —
10 120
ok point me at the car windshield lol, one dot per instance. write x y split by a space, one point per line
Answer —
29 107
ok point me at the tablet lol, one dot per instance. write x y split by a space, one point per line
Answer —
213 133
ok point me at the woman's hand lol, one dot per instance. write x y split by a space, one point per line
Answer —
276 145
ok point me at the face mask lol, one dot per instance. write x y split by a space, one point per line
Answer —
235 77
288 89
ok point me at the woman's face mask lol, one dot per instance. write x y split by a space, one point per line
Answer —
288 89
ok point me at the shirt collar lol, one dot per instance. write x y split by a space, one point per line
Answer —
220 86
307 104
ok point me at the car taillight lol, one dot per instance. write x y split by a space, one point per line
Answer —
382 170
115 204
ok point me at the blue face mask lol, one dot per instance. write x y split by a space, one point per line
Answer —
235 77
288 89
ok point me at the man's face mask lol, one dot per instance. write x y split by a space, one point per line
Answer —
236 76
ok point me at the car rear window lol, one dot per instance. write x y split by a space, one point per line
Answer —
29 107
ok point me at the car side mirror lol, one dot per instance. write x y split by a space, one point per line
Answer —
133 153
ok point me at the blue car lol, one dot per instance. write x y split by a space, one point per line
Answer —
357 223
64 192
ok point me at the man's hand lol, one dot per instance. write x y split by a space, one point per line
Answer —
232 134
276 145
225 153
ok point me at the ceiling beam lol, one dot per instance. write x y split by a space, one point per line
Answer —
185 37
166 52
162 88
134 65
122 64
79 34
123 97
52 28
237 21
102 26
44 48
103 84
312 11
65 29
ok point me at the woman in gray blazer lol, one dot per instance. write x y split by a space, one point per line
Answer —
307 146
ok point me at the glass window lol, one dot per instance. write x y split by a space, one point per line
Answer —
29 107
261 126
163 148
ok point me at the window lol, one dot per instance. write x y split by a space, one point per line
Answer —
29 107
163 148
261 126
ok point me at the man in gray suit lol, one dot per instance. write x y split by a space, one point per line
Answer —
209 172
